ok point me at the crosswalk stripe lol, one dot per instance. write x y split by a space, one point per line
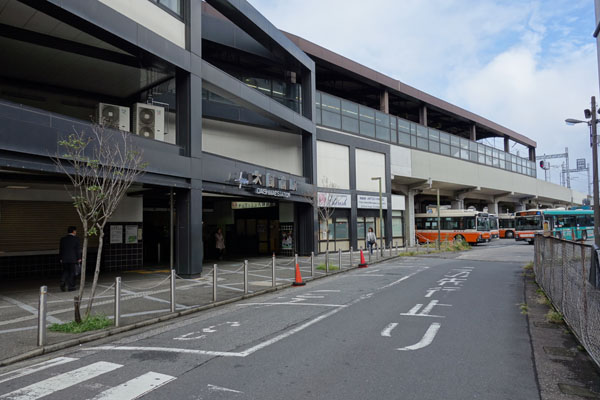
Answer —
136 387
62 381
34 368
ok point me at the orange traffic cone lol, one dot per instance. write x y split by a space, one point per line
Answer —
298 281
363 263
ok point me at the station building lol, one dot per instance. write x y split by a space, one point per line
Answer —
243 127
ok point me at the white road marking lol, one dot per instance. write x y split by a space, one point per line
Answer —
326 291
349 276
136 387
7 376
291 303
131 292
426 340
403 278
62 381
168 350
222 389
30 309
425 313
388 329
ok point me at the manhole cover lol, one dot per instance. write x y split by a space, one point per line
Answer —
559 351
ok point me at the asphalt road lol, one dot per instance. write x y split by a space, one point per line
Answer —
410 328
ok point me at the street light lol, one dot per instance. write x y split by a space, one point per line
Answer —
592 122
378 178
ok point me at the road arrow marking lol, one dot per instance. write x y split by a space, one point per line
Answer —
388 329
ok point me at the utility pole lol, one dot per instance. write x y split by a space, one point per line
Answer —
594 143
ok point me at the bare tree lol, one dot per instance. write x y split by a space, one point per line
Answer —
101 165
326 204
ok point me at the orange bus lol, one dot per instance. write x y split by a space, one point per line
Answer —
468 225
506 224
494 230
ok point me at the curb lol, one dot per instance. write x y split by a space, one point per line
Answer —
114 331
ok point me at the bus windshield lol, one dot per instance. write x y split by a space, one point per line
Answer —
483 224
494 224
528 223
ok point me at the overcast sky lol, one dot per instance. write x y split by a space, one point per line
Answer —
527 65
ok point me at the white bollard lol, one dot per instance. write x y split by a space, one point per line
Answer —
118 301
172 290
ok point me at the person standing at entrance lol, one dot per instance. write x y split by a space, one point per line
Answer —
69 256
371 240
220 243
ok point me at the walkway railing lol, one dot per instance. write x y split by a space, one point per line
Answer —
567 271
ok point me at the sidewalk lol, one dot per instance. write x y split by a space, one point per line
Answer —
145 297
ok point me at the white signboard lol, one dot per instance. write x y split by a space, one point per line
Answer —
371 202
334 200
131 234
116 234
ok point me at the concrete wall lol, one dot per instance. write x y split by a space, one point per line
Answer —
369 164
446 169
272 149
333 165
401 161
152 17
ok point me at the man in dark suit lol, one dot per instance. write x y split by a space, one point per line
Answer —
70 256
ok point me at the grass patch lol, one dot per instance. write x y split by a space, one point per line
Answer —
524 308
322 267
528 266
91 323
554 317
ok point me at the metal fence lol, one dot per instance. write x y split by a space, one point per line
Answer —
568 273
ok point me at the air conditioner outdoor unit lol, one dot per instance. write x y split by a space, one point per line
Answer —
149 121
113 116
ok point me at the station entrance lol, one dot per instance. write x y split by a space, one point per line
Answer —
250 226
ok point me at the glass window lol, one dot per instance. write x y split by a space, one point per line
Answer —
318 99
349 124
422 144
403 125
404 138
488 160
394 137
464 143
382 119
422 131
488 151
318 116
341 228
330 119
173 5
330 103
481 158
367 129
434 147
481 148
455 152
444 137
397 227
382 132
502 164
434 134
472 146
473 156
323 229
501 155
367 114
360 228
464 154
454 140
413 141
349 109
393 122
445 149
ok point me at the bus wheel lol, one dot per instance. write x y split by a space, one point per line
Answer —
584 235
509 234
530 242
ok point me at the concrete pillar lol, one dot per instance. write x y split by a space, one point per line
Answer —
506 144
493 208
473 133
458 203
384 101
423 115
520 207
409 219
532 154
